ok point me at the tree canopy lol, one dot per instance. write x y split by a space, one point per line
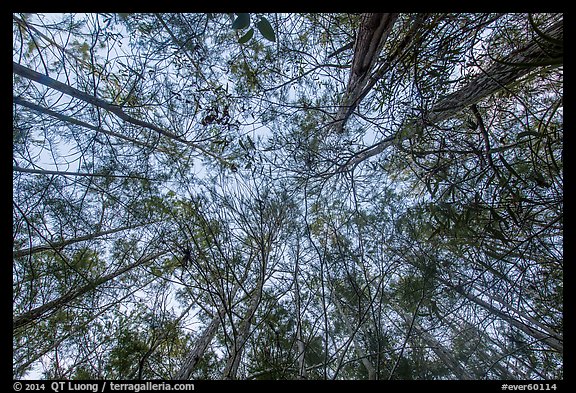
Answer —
288 196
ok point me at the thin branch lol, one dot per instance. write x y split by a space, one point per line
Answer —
81 174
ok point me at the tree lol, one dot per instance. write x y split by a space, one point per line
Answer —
288 196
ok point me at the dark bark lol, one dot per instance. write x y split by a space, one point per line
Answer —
373 31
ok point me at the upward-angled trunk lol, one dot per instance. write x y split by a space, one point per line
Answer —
300 347
301 350
49 308
72 120
36 352
554 341
372 33
202 344
98 102
501 74
204 340
442 352
63 243
352 332
16 168
488 356
158 340
208 334
523 316
242 335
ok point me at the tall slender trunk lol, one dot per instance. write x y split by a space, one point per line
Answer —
300 347
52 306
16 168
208 334
63 243
487 354
442 352
94 100
522 315
352 331
37 352
372 34
553 341
156 341
201 345
502 73
240 339
72 120
496 77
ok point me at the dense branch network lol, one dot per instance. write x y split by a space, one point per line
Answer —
198 196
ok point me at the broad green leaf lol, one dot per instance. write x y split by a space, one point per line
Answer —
266 29
246 37
242 21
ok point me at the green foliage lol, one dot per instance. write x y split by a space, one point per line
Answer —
125 355
243 21
265 28
83 374
175 169
246 37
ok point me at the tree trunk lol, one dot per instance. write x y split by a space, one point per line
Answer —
66 173
502 73
516 65
71 120
231 368
352 331
300 347
37 352
202 344
56 304
553 341
156 341
443 354
487 354
91 99
523 316
370 38
205 339
63 243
